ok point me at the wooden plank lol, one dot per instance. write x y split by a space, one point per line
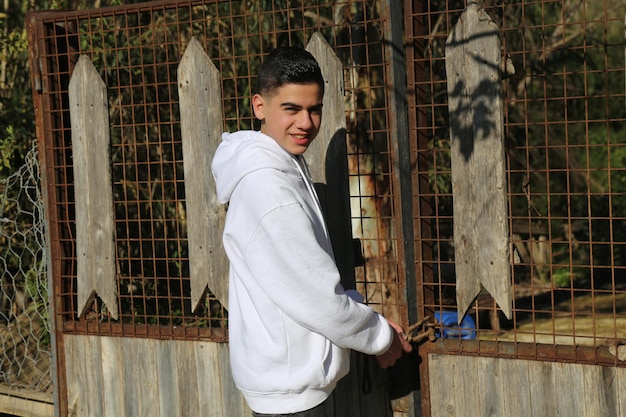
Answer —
364 391
210 401
233 402
147 376
489 384
443 387
188 389
514 374
570 400
16 406
95 249
113 382
201 129
25 403
481 241
466 390
543 389
620 374
333 112
27 395
169 379
130 374
139 376
72 374
600 391
84 375
346 398
327 157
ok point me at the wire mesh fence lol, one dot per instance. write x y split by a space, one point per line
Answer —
25 353
564 124
136 49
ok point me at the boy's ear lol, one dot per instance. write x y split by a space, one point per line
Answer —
258 106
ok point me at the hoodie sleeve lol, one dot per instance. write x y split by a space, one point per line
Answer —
301 278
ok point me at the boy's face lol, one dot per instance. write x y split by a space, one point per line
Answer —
291 116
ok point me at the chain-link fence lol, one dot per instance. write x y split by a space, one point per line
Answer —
25 354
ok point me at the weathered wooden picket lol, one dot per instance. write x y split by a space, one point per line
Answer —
481 232
120 376
89 112
201 130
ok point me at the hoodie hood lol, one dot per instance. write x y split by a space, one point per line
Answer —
242 153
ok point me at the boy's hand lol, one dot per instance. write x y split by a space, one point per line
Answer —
398 347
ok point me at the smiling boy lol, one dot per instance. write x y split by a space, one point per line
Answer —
291 324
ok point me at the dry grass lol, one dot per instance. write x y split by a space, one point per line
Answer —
582 320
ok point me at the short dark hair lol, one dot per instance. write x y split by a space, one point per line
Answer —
288 65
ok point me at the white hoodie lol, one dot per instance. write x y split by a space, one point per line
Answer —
291 324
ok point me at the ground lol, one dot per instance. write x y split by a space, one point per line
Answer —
593 322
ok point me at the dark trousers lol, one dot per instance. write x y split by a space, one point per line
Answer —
319 411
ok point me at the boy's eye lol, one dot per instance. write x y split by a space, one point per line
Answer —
296 109
315 110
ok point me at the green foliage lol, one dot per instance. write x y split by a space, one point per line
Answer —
562 278
7 148
16 111
17 128
38 294
566 277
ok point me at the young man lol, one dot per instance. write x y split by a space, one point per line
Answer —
291 324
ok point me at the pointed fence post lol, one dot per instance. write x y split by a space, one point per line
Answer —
481 231
327 157
201 129
95 248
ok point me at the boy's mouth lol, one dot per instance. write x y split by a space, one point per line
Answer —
300 139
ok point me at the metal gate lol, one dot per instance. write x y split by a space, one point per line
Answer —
562 82
135 50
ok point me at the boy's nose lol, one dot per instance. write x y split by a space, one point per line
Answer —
305 120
